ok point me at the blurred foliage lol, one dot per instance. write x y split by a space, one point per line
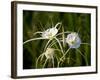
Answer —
34 21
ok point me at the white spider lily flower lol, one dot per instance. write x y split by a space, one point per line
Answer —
73 40
49 53
47 34
50 33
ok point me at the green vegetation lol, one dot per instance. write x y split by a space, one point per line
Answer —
35 22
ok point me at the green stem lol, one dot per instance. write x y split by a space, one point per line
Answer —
57 24
63 56
47 44
41 26
38 59
58 64
83 56
33 40
65 53
59 44
63 33
57 60
37 32
42 57
51 22
53 62
85 43
45 63
63 37
52 43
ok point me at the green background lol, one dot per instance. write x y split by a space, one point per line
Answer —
34 21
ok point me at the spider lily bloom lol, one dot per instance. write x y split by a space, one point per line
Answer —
47 34
50 33
73 40
49 53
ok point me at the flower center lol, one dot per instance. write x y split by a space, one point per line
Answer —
50 35
72 42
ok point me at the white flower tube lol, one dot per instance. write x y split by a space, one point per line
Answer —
73 40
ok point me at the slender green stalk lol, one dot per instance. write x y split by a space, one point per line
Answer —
65 53
63 33
63 56
52 43
59 44
53 62
58 64
45 63
38 59
78 30
57 60
57 24
83 56
32 40
68 60
51 22
59 27
54 48
42 57
41 26
58 50
37 32
63 37
85 43
73 60
47 44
